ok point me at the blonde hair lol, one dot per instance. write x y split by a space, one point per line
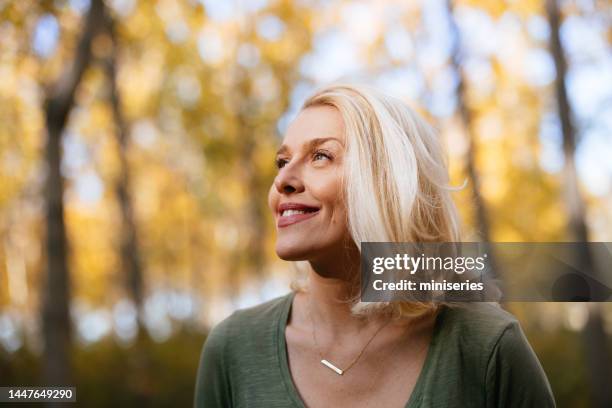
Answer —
396 182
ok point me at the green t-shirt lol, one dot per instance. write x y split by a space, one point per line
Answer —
478 357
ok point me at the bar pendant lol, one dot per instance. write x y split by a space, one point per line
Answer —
332 367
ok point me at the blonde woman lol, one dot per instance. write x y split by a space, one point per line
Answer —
357 166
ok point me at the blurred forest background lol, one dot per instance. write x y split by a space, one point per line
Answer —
137 144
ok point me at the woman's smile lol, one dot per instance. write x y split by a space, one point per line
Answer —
292 213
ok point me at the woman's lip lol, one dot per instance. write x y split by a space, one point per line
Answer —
295 218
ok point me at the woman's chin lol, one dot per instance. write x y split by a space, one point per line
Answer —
292 252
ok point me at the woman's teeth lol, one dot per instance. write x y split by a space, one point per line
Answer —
287 213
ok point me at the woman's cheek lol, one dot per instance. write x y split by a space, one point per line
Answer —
272 199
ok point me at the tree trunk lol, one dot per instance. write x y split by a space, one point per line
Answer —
480 208
139 361
131 264
56 298
594 337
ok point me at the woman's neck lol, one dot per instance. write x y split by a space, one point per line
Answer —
331 285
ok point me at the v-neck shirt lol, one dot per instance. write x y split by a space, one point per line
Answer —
478 357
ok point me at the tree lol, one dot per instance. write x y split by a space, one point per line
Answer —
482 216
595 339
55 311
466 117
131 263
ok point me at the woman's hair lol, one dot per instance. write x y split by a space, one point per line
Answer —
396 182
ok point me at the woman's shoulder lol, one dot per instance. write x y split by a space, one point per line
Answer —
241 343
250 321
262 313
477 330
480 323
487 345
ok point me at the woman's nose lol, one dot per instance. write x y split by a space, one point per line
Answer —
288 181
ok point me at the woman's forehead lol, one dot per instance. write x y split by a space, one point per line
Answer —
317 122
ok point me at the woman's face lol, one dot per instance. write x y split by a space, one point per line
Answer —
306 196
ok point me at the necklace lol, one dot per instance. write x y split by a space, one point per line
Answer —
328 363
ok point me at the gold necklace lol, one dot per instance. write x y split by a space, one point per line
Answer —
326 362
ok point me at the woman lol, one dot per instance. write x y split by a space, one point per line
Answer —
357 166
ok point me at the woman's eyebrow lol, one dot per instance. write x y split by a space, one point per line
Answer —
320 140
311 144
283 149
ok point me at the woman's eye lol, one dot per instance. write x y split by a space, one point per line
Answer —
280 163
321 155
